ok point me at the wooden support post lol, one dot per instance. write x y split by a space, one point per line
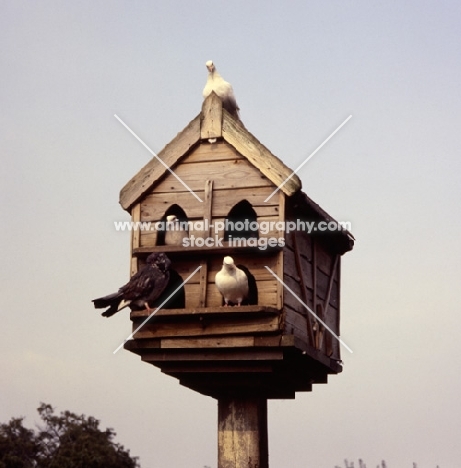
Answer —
298 261
135 238
242 432
324 309
211 118
207 218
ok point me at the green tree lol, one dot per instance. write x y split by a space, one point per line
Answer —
65 441
18 445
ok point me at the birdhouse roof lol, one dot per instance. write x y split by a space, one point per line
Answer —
213 122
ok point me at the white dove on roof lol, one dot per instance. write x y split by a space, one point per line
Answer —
222 88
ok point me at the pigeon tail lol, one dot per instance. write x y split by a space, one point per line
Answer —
144 286
114 302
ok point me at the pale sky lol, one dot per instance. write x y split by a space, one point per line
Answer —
299 69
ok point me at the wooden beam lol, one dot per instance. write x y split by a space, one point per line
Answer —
280 257
210 354
208 202
245 310
247 145
203 282
177 368
135 238
304 297
242 432
207 218
153 170
211 117
330 283
320 312
204 250
315 325
211 342
202 328
328 295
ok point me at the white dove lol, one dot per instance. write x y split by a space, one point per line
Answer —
222 88
232 282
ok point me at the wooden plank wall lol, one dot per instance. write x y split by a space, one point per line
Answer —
233 179
309 278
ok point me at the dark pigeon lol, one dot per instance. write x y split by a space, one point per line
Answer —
144 288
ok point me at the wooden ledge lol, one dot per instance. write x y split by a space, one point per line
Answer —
198 311
226 249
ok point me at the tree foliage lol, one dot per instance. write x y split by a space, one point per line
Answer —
65 441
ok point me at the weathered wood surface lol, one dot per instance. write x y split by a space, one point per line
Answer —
295 324
305 206
242 433
221 342
228 173
267 220
208 125
271 166
203 283
135 238
228 341
206 311
268 290
149 174
211 117
226 249
228 326
154 205
207 152
303 284
312 273
323 309
224 368
280 234
207 218
322 280
208 203
261 343
212 354
249 342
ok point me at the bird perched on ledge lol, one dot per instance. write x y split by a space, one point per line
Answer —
144 287
222 88
232 282
175 233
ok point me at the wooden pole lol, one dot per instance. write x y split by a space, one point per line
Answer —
242 432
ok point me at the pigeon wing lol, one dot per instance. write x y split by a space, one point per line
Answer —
252 296
144 284
178 300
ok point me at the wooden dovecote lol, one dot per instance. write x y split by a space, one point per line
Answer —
213 170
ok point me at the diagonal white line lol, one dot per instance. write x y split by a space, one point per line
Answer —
302 164
158 159
159 307
309 310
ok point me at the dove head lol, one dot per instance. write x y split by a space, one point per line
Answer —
210 66
228 263
160 260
